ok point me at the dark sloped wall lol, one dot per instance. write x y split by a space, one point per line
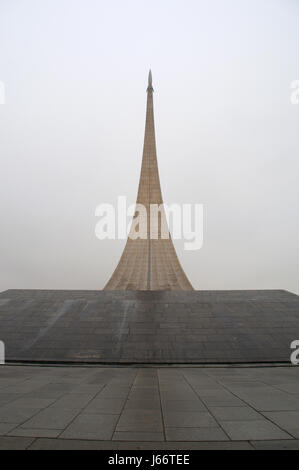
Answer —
148 327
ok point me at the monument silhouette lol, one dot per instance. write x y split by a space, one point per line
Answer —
148 263
148 313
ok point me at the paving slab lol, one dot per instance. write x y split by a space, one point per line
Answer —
86 426
15 443
143 403
189 419
74 401
5 428
24 432
32 403
138 436
114 391
234 413
140 421
16 414
270 400
287 420
105 406
276 445
195 434
253 430
51 419
284 418
219 406
65 444
182 405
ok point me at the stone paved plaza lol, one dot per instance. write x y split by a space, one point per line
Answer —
149 408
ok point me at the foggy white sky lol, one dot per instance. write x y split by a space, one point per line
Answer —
71 134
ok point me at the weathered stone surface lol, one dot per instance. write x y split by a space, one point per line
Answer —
149 327
156 421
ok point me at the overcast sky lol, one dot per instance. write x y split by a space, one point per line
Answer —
71 134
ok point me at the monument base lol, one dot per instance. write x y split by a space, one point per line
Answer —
152 327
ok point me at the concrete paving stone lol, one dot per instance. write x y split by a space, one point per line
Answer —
143 381
144 393
87 426
32 386
287 420
234 413
289 387
253 430
24 432
101 383
15 443
73 401
201 387
193 419
143 404
276 445
12 414
146 378
6 398
234 386
140 421
114 392
44 393
6 427
6 382
146 374
271 401
105 406
65 444
280 377
150 388
124 380
293 431
179 386
212 445
138 436
141 409
202 382
51 419
38 403
71 381
183 405
168 384
16 373
195 434
85 388
221 400
178 395
215 393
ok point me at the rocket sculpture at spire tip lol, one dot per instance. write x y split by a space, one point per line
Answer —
150 81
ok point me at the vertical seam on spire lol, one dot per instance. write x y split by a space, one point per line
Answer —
149 222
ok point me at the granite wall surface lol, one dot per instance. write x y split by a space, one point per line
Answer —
148 326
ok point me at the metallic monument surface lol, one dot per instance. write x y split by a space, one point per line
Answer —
148 263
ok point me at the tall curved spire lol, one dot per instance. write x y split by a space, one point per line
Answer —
149 263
